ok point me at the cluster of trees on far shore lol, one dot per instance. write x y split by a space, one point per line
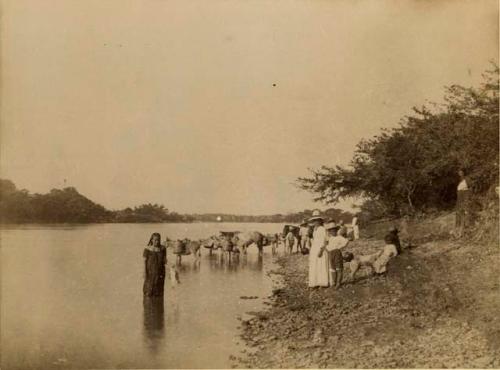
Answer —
412 169
69 206
59 205
292 218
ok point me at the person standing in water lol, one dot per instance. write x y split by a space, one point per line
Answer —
155 258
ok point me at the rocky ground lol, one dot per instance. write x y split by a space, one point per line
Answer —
438 306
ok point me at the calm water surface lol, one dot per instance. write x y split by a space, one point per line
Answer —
72 298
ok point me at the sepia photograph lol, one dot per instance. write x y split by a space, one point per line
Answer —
249 184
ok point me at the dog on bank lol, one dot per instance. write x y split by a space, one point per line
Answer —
355 262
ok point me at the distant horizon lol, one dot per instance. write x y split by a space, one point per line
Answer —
215 214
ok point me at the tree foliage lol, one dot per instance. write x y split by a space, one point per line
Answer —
69 206
414 167
292 218
59 205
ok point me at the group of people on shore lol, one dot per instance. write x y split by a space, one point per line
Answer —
326 260
303 238
322 240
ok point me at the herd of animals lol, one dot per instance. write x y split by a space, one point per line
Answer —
230 244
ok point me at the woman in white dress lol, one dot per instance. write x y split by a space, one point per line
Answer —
318 261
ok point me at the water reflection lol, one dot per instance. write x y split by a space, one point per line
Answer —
252 263
73 269
193 266
196 265
154 323
233 263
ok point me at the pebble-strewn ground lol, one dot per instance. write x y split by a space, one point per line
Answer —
438 306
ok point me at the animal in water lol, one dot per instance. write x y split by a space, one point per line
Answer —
245 239
226 246
211 244
194 248
184 247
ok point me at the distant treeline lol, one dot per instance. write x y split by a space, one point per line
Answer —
412 169
292 218
69 206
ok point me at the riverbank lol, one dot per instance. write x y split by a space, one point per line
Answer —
437 306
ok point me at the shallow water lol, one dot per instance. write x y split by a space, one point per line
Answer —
72 298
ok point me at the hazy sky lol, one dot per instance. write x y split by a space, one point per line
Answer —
173 101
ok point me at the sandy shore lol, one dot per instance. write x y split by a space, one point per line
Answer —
438 306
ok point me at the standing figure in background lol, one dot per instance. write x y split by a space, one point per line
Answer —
318 261
290 240
155 258
305 241
283 241
355 227
274 243
462 211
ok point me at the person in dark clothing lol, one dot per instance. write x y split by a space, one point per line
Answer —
155 258
392 237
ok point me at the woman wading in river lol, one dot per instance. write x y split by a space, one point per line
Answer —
318 261
155 258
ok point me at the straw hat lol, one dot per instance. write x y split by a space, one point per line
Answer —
316 215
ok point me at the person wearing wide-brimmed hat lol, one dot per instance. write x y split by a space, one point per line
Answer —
318 261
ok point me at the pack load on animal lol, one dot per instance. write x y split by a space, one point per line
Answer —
227 240
180 247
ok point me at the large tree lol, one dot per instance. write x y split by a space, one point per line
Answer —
414 166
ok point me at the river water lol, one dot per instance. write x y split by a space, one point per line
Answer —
72 298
